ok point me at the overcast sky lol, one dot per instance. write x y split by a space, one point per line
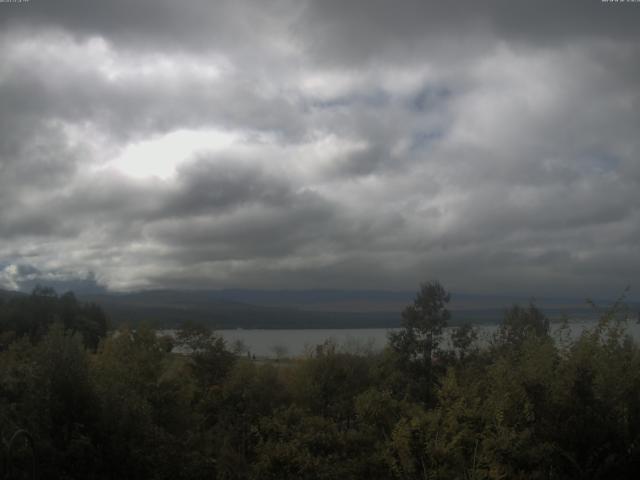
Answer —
492 145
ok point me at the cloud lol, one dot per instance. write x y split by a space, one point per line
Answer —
25 277
166 25
441 32
321 144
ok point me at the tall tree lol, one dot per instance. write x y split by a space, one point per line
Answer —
421 332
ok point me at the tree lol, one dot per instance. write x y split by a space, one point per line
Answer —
422 323
147 423
327 383
87 319
33 315
210 358
421 334
463 338
520 323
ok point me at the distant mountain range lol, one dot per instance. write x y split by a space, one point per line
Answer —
237 309
240 308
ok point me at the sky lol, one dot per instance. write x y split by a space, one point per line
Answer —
300 144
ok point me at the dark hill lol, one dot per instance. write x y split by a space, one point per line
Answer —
238 308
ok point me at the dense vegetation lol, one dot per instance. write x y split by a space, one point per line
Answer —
124 406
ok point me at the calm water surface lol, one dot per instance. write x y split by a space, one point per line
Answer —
272 343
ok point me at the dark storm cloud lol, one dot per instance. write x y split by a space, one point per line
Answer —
418 31
367 23
492 145
156 24
250 231
205 185
362 162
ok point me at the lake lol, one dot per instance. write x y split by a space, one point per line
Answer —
296 342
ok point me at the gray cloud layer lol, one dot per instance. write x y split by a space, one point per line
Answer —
373 144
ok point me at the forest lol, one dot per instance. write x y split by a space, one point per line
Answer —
82 399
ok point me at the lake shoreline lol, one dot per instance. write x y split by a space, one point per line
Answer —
287 342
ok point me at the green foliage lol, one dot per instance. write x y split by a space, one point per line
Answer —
297 445
327 383
422 323
233 411
418 341
46 389
210 360
463 339
519 324
526 407
31 316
